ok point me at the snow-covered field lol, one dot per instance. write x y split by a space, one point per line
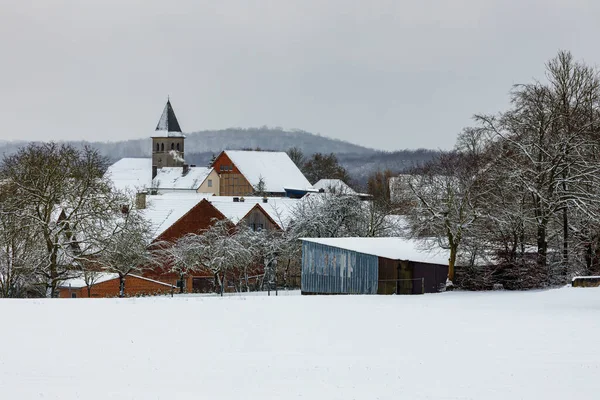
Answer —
500 345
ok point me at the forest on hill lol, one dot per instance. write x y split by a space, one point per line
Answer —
200 146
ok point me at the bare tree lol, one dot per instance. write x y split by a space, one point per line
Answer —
297 156
444 202
127 250
61 195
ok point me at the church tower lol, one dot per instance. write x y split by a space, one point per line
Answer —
167 142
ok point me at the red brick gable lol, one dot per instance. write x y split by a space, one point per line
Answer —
223 160
200 217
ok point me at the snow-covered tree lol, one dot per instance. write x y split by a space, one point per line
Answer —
126 251
61 196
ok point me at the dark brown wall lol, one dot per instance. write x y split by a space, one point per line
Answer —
412 273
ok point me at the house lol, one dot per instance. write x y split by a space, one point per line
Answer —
242 173
108 284
166 170
371 266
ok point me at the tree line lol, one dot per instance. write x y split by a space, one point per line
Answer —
517 202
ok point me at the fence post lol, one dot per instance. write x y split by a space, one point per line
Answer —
423 285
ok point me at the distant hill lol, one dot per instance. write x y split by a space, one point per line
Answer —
200 146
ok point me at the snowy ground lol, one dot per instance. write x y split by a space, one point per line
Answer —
500 345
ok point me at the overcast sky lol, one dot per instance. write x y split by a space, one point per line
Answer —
386 74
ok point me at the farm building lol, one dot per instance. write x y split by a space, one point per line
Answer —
242 173
107 285
370 266
175 214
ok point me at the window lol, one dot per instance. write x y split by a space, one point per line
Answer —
172 146
210 183
73 295
157 147
162 147
177 146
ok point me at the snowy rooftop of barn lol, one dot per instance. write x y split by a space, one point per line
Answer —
163 210
334 186
173 178
278 208
78 282
134 174
394 248
276 169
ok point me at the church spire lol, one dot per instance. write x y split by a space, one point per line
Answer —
168 121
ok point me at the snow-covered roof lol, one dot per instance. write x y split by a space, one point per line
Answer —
168 126
395 248
131 174
135 174
173 178
334 185
163 210
78 282
280 209
276 169
233 211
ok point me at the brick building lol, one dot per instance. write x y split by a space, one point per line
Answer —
107 285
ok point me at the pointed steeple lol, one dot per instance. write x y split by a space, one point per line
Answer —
168 121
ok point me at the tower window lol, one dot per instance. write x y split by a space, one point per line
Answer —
172 146
177 146
162 147
157 147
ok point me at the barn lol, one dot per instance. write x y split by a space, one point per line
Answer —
105 284
371 266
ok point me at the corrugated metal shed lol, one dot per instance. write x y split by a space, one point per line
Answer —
370 266
331 270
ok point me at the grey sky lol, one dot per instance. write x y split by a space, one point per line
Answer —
386 74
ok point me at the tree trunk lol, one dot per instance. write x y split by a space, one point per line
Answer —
182 287
89 290
121 286
565 241
452 262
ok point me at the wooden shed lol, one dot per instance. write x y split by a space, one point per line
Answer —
371 266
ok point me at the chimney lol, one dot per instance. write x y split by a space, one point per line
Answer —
154 171
140 200
242 199
186 169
